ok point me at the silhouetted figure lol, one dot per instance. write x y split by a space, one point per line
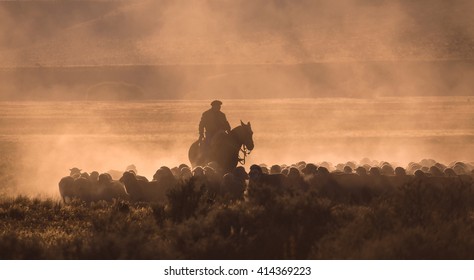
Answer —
212 121
223 151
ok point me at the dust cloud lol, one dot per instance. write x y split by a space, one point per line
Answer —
319 81
237 49
51 137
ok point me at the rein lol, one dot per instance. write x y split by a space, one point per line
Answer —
245 152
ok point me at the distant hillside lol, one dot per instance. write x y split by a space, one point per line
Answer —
354 79
166 32
235 48
28 22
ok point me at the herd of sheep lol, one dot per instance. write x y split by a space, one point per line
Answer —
324 178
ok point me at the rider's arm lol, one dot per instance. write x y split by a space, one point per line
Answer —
226 123
201 126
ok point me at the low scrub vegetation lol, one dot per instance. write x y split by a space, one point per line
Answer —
416 221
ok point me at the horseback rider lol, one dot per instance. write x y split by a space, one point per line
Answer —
212 121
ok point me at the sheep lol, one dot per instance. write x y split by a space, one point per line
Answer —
135 188
412 167
258 177
108 189
435 171
232 187
295 180
183 165
213 180
275 169
387 169
310 169
327 165
176 172
233 184
198 171
399 171
67 189
351 164
84 187
374 171
427 162
77 185
75 172
163 181
420 174
449 172
460 168
440 166
347 169
116 175
262 188
94 177
185 174
361 171
340 167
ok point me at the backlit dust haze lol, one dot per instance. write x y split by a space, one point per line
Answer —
237 49
104 84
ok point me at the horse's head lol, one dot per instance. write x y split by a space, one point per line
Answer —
246 135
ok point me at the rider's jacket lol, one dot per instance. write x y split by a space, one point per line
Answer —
213 121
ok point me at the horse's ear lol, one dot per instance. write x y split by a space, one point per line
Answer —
242 123
248 123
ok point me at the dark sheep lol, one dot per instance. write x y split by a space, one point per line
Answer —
176 172
449 172
108 189
347 169
198 171
256 176
295 180
263 188
340 167
412 167
420 174
351 164
374 171
460 168
427 162
323 170
440 166
300 165
399 171
326 165
310 170
387 169
234 184
212 180
94 177
275 169
136 188
361 171
435 171
67 188
185 174
75 172
84 187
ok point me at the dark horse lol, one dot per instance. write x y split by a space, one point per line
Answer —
224 148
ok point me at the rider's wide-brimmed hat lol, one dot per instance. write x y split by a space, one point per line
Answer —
216 102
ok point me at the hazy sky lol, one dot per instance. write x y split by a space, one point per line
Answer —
306 48
236 49
233 31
